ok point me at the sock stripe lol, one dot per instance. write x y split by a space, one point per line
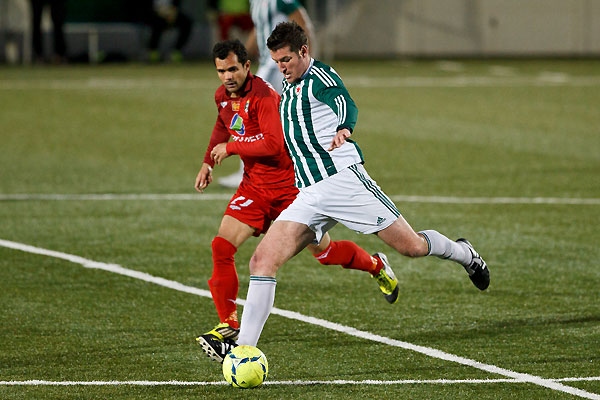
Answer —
255 278
428 242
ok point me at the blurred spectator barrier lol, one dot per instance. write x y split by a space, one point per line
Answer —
344 28
432 28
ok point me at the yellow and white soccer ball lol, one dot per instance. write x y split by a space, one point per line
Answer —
245 367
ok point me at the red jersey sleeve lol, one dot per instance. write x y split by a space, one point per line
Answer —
267 110
220 134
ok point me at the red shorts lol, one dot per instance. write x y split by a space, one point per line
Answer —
259 207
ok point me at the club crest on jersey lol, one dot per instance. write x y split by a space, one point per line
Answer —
235 105
237 124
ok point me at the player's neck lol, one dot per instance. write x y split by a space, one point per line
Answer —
309 64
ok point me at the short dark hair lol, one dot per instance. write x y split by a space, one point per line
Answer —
287 34
222 49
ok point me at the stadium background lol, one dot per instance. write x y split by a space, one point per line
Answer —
345 28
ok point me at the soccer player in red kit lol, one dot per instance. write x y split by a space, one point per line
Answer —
248 113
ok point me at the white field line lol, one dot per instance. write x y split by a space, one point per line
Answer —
115 196
276 383
450 66
501 70
541 80
431 352
226 196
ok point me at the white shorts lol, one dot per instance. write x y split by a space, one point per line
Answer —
349 197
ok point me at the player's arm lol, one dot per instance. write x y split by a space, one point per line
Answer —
271 141
340 102
219 135
251 44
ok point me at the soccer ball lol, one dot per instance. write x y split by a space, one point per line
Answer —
245 367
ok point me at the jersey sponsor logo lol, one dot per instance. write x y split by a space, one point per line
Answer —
235 105
236 205
237 124
248 139
223 104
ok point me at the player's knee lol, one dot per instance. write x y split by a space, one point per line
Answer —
261 266
222 250
413 249
257 265
410 248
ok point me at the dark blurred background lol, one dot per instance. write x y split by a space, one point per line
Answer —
114 30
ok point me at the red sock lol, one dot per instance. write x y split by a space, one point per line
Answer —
224 282
349 255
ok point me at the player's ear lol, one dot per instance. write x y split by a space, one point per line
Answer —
304 51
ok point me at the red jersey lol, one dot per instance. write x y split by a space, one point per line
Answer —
252 120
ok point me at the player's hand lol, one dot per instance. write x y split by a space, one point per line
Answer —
339 139
219 153
204 178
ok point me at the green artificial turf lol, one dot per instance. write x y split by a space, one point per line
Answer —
135 129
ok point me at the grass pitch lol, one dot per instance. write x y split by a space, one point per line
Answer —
521 130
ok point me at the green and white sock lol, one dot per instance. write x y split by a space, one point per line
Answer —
442 247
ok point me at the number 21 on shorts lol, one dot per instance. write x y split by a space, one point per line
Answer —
235 205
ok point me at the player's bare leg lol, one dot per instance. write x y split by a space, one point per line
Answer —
316 249
283 240
406 241
234 231
402 238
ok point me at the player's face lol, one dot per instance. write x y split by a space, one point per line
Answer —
232 73
291 64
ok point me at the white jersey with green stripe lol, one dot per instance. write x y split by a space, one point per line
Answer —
312 111
266 14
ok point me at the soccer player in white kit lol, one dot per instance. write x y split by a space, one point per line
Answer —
318 117
266 15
